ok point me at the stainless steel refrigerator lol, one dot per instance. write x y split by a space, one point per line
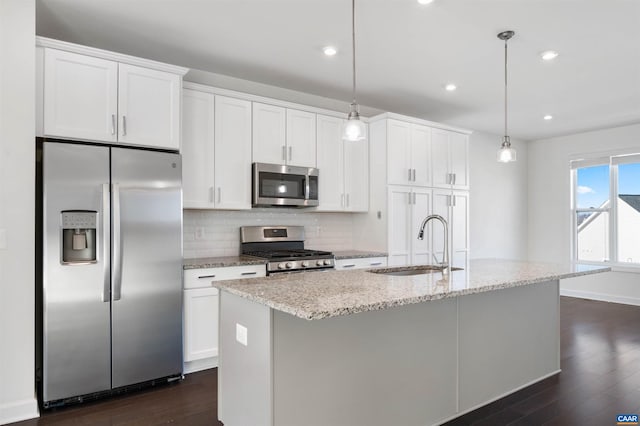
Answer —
111 270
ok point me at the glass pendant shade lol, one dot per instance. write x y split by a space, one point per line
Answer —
506 154
354 128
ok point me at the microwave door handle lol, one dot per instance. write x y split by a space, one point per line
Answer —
306 187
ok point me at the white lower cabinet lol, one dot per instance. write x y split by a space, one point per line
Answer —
200 333
360 263
407 207
454 207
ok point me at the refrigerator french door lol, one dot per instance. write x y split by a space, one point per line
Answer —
112 263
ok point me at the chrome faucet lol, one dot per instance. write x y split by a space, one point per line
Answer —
445 257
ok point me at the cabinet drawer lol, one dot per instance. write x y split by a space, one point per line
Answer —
361 263
200 278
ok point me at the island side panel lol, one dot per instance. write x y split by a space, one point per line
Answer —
244 372
389 367
508 339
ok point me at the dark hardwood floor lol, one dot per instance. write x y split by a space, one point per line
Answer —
600 378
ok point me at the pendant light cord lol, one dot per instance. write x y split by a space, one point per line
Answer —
353 45
505 88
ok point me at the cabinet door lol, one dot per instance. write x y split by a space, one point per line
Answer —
331 192
398 152
232 153
356 175
80 96
421 249
458 148
149 107
399 222
200 323
441 200
421 155
440 158
301 138
269 132
459 228
197 149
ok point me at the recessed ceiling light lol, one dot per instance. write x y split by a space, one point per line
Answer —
548 117
450 87
329 50
549 55
425 1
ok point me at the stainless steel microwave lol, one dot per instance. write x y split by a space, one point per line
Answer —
275 185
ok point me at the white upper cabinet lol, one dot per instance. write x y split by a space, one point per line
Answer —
94 95
283 136
149 107
450 159
301 138
80 96
408 153
232 167
198 149
269 134
343 168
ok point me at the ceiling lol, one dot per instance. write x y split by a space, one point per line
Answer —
406 53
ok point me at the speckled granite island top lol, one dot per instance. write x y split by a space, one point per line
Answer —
219 262
317 295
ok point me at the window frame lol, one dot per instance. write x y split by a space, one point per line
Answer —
612 160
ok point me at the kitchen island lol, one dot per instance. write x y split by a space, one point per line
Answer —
365 348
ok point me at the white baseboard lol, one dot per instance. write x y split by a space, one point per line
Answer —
603 297
19 410
200 364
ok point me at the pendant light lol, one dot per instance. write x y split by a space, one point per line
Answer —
354 129
506 154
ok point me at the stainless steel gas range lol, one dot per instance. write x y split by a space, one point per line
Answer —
283 248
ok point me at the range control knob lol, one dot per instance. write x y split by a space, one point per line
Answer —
281 265
319 263
327 262
289 265
304 264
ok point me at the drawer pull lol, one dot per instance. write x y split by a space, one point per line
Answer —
351 265
206 276
249 273
375 263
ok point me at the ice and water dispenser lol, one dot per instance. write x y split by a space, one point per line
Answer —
79 237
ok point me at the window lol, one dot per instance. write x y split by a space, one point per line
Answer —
606 209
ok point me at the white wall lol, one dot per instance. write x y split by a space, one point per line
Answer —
498 200
220 235
549 206
17 159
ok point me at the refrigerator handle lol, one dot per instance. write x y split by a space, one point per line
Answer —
106 288
116 258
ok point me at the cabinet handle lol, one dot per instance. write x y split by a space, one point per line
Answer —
453 178
453 199
375 263
124 125
206 276
249 273
290 152
342 200
414 175
219 194
414 198
284 153
347 200
351 265
211 200
409 170
113 124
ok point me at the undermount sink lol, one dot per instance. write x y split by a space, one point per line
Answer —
411 270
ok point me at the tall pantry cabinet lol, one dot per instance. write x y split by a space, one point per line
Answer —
418 168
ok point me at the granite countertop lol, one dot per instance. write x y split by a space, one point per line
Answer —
316 295
357 254
220 262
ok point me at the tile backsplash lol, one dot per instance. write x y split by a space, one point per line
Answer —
213 233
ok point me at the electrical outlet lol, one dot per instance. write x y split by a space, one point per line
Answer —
241 334
199 233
